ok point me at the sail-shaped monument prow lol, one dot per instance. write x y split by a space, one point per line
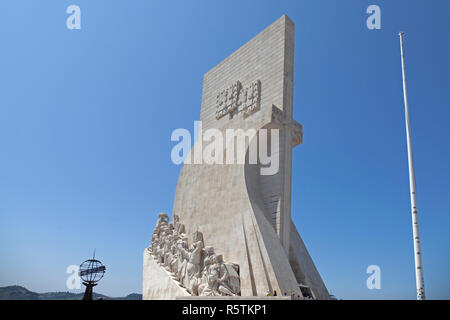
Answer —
243 210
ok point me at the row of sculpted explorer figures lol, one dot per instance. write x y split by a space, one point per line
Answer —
195 267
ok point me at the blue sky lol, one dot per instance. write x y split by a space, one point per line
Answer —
86 117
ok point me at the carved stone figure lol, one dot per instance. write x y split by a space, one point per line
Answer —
212 283
179 227
195 267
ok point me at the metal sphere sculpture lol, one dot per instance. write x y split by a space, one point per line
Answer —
91 271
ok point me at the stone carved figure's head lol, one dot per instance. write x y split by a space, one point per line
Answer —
209 250
219 259
197 236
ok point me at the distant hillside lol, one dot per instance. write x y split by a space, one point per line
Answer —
21 293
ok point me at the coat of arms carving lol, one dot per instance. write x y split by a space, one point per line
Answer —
238 99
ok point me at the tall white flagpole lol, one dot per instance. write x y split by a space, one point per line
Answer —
412 185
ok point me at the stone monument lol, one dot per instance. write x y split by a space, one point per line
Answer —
232 233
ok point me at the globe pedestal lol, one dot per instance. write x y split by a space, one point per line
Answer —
88 292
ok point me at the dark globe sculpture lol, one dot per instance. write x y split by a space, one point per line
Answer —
91 271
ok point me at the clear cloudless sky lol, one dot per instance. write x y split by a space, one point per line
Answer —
86 117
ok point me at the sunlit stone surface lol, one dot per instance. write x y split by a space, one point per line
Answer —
244 216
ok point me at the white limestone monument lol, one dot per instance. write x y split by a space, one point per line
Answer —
231 233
